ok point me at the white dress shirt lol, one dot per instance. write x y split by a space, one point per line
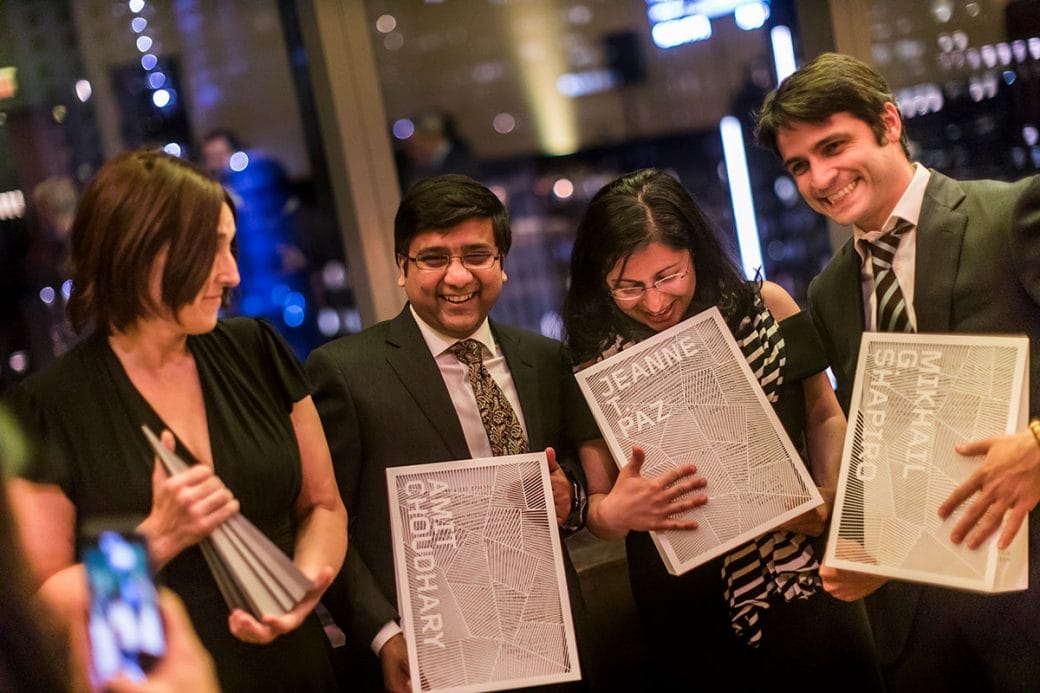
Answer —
909 209
456 379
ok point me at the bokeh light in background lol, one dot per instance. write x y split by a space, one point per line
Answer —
555 98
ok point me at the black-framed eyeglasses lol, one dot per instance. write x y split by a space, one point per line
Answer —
472 260
631 294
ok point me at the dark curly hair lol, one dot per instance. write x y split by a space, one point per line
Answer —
624 217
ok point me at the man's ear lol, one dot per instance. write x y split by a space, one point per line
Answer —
502 268
402 269
893 122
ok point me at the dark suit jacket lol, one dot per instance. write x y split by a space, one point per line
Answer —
383 403
977 270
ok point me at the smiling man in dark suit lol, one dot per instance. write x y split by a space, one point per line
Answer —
947 256
397 394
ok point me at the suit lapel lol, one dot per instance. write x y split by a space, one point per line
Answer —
940 234
525 380
410 358
846 303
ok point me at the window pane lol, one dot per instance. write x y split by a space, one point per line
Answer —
547 101
222 84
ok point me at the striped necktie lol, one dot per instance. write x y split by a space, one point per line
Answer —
892 315
501 423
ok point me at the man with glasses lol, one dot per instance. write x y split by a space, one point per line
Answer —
401 393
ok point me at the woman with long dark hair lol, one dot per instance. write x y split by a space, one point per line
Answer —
644 259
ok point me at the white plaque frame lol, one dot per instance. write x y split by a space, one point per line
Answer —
915 396
709 409
492 553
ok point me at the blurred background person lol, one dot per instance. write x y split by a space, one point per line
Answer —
51 211
218 146
433 148
54 203
34 278
645 258
152 258
275 270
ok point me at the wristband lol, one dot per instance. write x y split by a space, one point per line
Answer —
1034 426
579 506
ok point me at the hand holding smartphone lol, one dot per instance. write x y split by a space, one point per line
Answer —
125 625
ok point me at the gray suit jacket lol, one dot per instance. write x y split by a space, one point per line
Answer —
383 403
977 270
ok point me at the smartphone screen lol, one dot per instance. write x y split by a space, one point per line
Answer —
126 632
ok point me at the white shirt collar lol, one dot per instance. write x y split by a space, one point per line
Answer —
438 342
908 207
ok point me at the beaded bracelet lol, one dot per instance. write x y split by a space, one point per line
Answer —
1034 426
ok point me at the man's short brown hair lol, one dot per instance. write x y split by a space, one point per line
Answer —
832 83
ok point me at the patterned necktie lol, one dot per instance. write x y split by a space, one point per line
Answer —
500 421
892 315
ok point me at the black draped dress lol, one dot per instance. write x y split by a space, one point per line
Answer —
87 416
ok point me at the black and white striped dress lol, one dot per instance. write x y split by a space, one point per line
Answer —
778 564
751 617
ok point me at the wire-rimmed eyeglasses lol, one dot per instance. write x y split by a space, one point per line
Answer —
631 294
438 262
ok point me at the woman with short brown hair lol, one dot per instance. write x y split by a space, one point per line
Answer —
152 258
